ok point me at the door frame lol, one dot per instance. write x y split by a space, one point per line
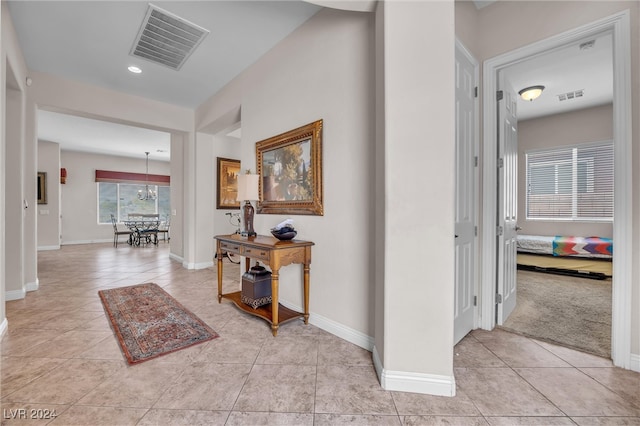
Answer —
619 26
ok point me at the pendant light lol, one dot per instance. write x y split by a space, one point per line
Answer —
147 194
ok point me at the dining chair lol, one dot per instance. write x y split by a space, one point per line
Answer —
164 229
117 232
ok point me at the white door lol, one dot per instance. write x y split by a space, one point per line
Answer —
507 198
465 208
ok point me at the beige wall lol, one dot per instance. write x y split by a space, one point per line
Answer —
224 147
48 215
586 125
321 71
15 180
57 94
325 69
79 202
418 194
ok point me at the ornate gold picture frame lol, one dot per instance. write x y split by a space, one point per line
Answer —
227 188
290 170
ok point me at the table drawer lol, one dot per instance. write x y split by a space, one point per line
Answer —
256 253
230 247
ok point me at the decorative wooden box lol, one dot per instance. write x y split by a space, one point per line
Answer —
256 287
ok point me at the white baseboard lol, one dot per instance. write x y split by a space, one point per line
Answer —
176 257
346 333
15 294
3 327
201 265
44 248
33 286
635 363
402 381
109 240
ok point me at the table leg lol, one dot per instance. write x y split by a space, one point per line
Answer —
219 256
305 279
275 285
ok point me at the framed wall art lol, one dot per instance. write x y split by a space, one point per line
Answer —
290 170
42 187
227 188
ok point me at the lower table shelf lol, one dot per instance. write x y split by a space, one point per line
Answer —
284 314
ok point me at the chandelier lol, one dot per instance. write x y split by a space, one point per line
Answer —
147 194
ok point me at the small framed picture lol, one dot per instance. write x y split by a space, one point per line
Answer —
227 189
42 187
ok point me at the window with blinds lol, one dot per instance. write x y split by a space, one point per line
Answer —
571 183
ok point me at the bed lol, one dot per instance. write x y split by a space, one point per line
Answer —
568 255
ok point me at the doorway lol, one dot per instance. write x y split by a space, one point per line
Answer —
619 27
564 176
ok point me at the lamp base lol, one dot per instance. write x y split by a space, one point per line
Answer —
248 211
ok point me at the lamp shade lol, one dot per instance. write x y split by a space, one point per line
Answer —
247 187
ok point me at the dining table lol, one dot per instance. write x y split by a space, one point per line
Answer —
143 231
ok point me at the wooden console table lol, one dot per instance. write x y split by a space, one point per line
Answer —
276 254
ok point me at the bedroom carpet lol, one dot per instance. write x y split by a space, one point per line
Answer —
569 311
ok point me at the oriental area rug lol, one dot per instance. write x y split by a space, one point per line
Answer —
148 322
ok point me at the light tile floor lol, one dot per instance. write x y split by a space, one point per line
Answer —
59 355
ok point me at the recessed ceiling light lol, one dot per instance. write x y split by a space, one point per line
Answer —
134 69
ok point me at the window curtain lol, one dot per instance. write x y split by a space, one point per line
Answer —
138 178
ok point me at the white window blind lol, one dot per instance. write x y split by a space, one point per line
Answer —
571 183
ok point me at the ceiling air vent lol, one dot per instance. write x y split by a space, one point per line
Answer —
571 95
167 39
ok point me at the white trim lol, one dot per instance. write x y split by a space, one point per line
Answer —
619 25
635 362
15 295
402 381
201 265
68 243
377 364
623 219
44 248
3 327
176 257
346 333
33 286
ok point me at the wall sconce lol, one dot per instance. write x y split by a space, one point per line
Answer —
247 192
531 93
63 175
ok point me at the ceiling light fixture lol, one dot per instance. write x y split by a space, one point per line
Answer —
147 194
530 93
134 69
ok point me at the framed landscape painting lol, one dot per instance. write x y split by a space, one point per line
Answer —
227 188
290 170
